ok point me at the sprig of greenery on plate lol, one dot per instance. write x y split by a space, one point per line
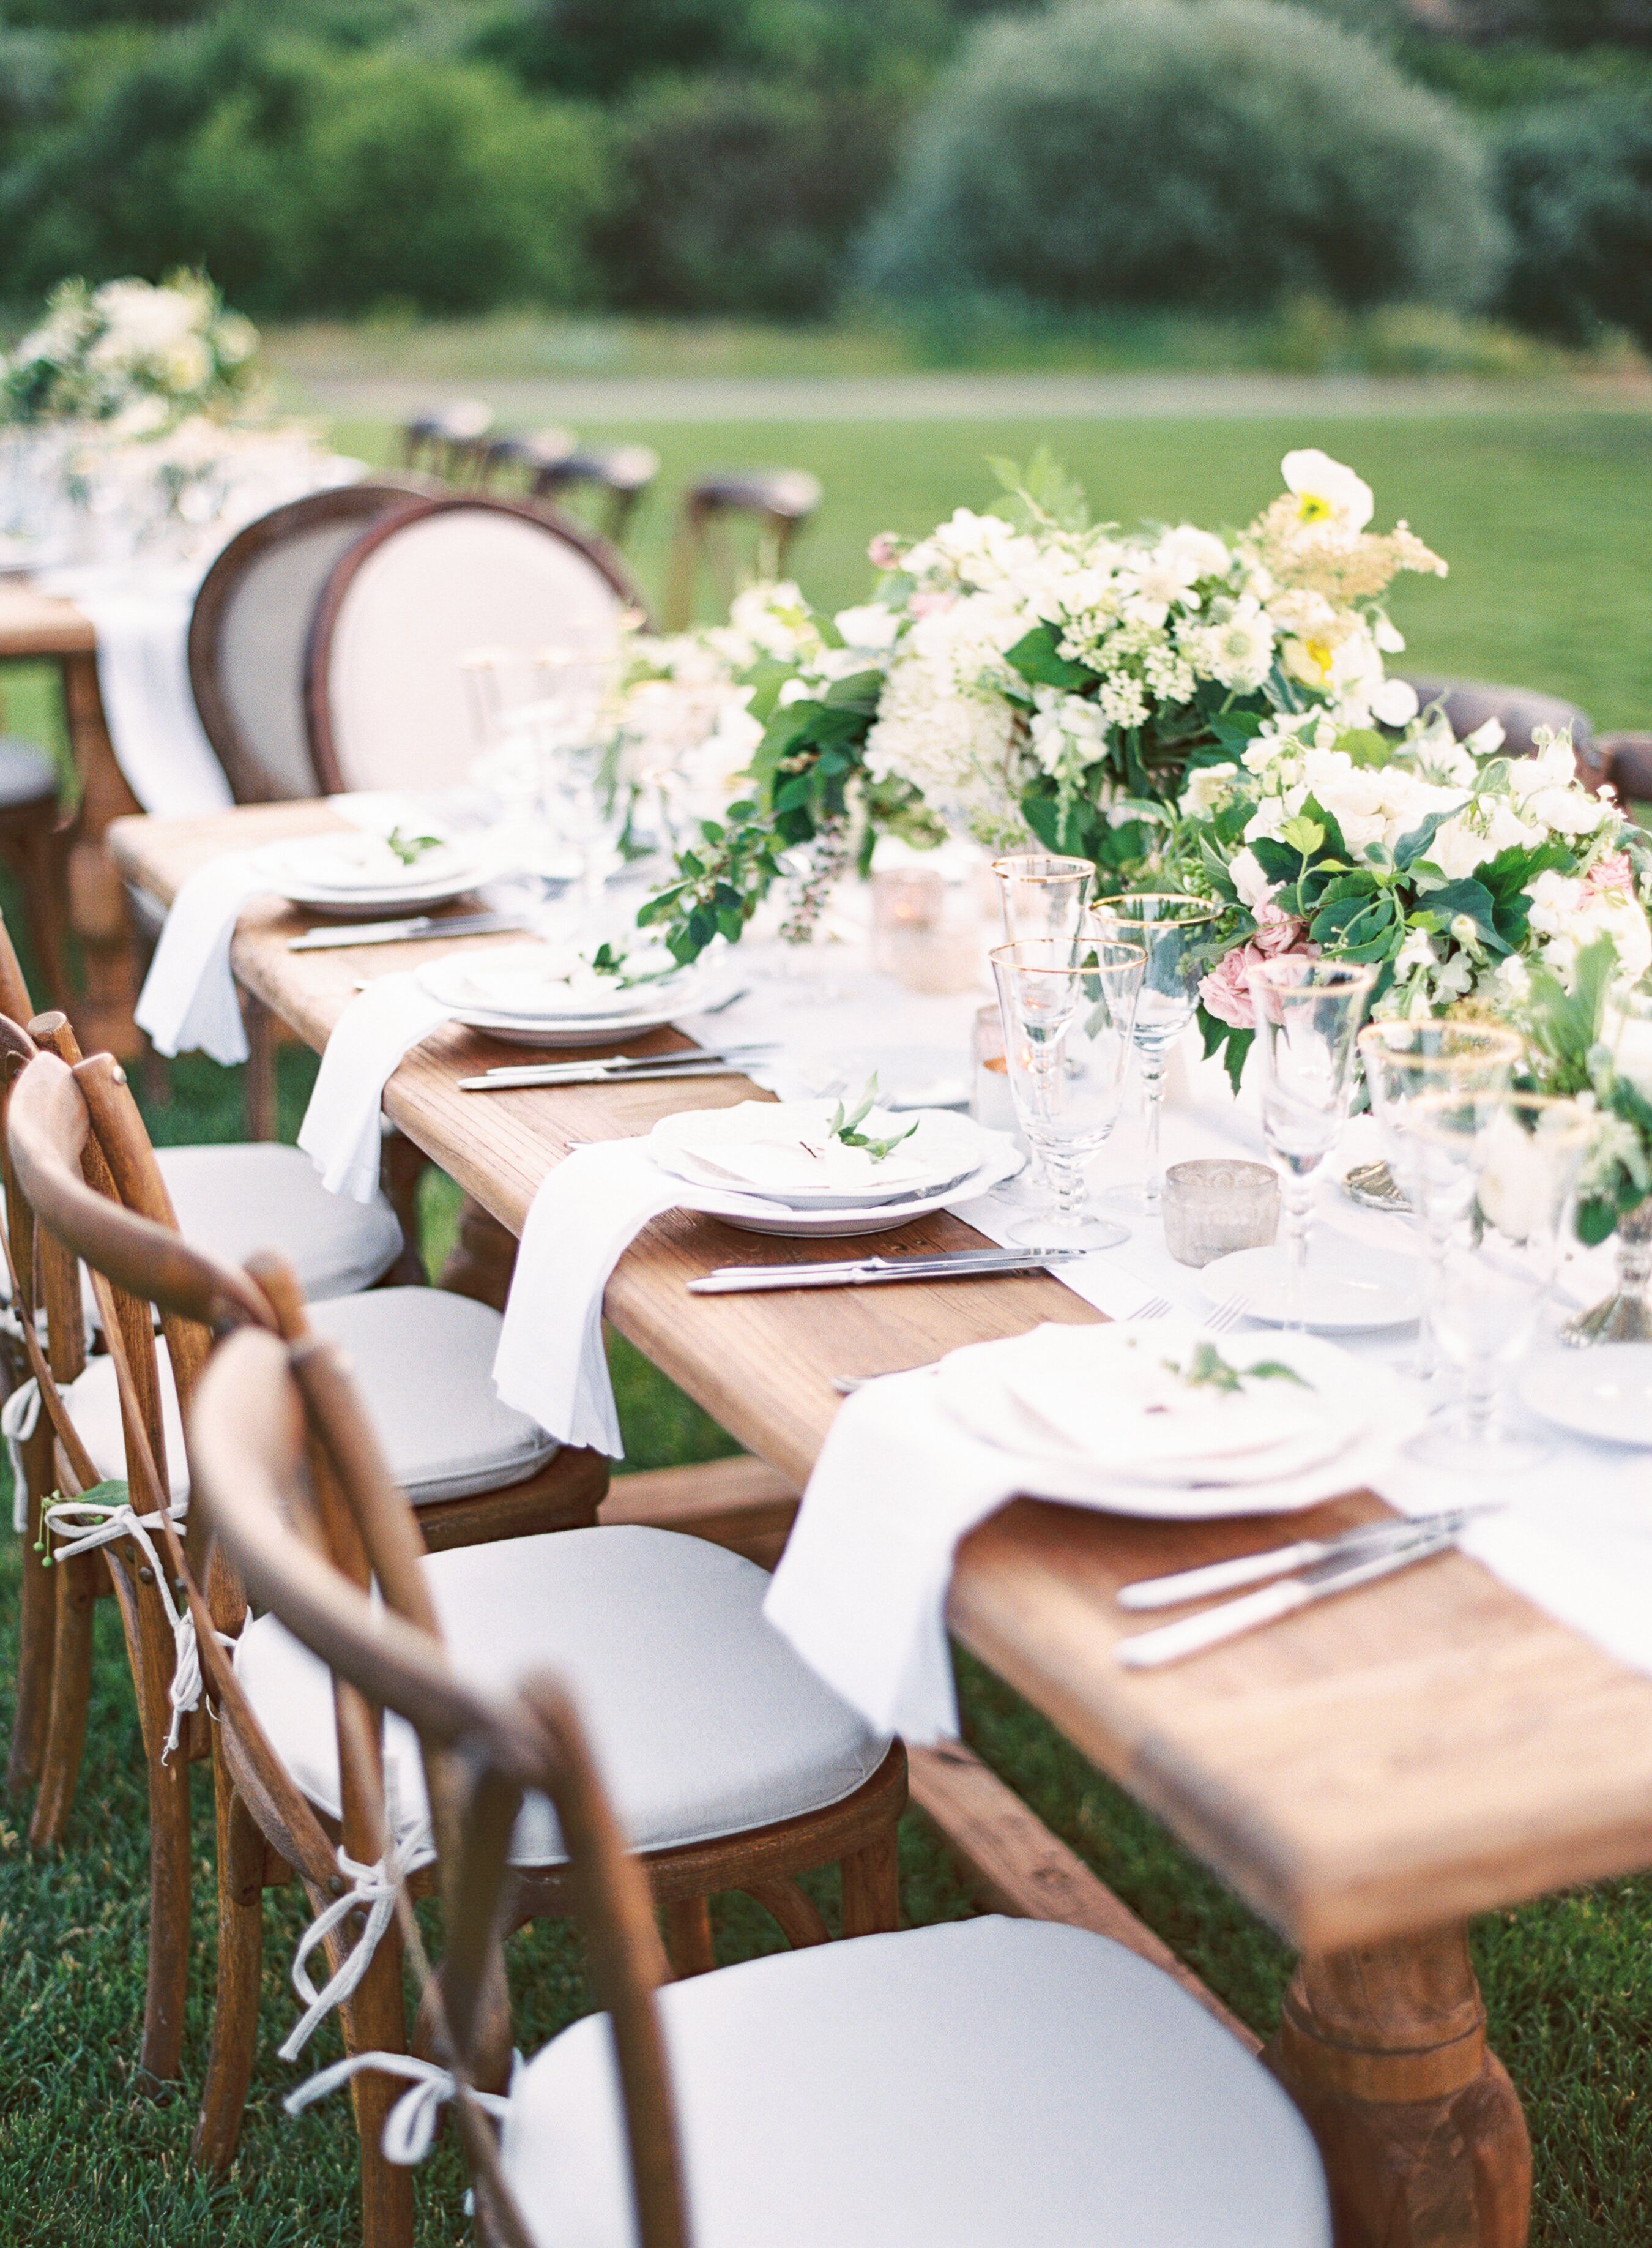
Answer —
1208 1369
845 1125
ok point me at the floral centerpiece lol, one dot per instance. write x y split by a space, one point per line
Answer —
1455 869
139 356
1027 674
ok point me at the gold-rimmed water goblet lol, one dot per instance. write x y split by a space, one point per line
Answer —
1067 1046
1175 930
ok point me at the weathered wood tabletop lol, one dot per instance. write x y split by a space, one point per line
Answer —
1366 1774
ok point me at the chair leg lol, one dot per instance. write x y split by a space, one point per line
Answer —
39 851
162 2055
77 1583
375 2020
483 1258
262 1090
688 1936
36 1629
871 1888
401 1166
234 2013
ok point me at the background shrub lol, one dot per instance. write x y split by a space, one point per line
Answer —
740 196
1577 186
1155 151
308 178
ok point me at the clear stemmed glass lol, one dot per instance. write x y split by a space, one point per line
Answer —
1067 1041
1175 930
1307 1013
1406 1059
1501 1171
1039 896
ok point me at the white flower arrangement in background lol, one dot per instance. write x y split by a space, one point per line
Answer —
137 356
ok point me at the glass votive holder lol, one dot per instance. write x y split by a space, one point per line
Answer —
990 1102
1214 1206
926 930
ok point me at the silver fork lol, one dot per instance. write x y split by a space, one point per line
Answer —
1227 1314
1156 1307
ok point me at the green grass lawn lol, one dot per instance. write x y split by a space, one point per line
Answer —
1543 516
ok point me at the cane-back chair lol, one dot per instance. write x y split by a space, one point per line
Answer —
993 2083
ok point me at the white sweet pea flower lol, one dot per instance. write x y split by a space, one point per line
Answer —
1485 741
1327 491
1387 636
1417 951
1394 702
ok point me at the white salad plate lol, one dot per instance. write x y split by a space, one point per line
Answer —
770 1149
1349 1288
1604 1392
749 1215
544 996
357 877
1111 1454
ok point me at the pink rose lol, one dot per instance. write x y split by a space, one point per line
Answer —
1226 991
883 554
1277 932
1612 873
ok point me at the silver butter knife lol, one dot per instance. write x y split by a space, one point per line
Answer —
549 1073
1171 1642
958 1264
402 932
1279 1560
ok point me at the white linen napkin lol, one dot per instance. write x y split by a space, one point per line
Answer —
340 1133
188 997
551 1362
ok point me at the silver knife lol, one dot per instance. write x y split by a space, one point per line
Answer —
551 1072
402 932
956 1264
1279 1560
711 1068
1170 1643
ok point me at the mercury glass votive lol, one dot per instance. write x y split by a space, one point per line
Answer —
926 930
1214 1206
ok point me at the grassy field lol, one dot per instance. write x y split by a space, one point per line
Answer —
1543 516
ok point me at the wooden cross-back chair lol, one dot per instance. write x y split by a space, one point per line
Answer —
451 441
774 503
985 2083
736 1767
552 463
82 1166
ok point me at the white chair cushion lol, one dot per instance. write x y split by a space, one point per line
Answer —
423 1361
987 2084
258 1195
703 1721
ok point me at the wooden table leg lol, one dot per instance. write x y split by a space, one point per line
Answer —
98 909
1383 2049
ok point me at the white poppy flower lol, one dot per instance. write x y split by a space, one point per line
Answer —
1328 492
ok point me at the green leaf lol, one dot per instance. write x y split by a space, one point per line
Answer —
1415 842
1304 836
1039 660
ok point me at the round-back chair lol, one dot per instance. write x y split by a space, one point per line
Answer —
1521 711
250 630
386 697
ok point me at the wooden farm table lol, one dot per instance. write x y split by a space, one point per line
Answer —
1366 1775
42 628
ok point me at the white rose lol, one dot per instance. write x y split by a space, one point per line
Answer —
1208 788
1253 888
1193 554
1328 492
871 627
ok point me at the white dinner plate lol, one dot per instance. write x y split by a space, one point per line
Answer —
1349 1288
747 1150
748 1215
1387 1416
459 979
290 870
1604 1392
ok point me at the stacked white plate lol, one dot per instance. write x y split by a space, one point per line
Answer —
546 995
775 1167
358 876
1109 1416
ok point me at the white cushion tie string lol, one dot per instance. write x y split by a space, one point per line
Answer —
19 1417
372 1889
411 2123
87 1522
